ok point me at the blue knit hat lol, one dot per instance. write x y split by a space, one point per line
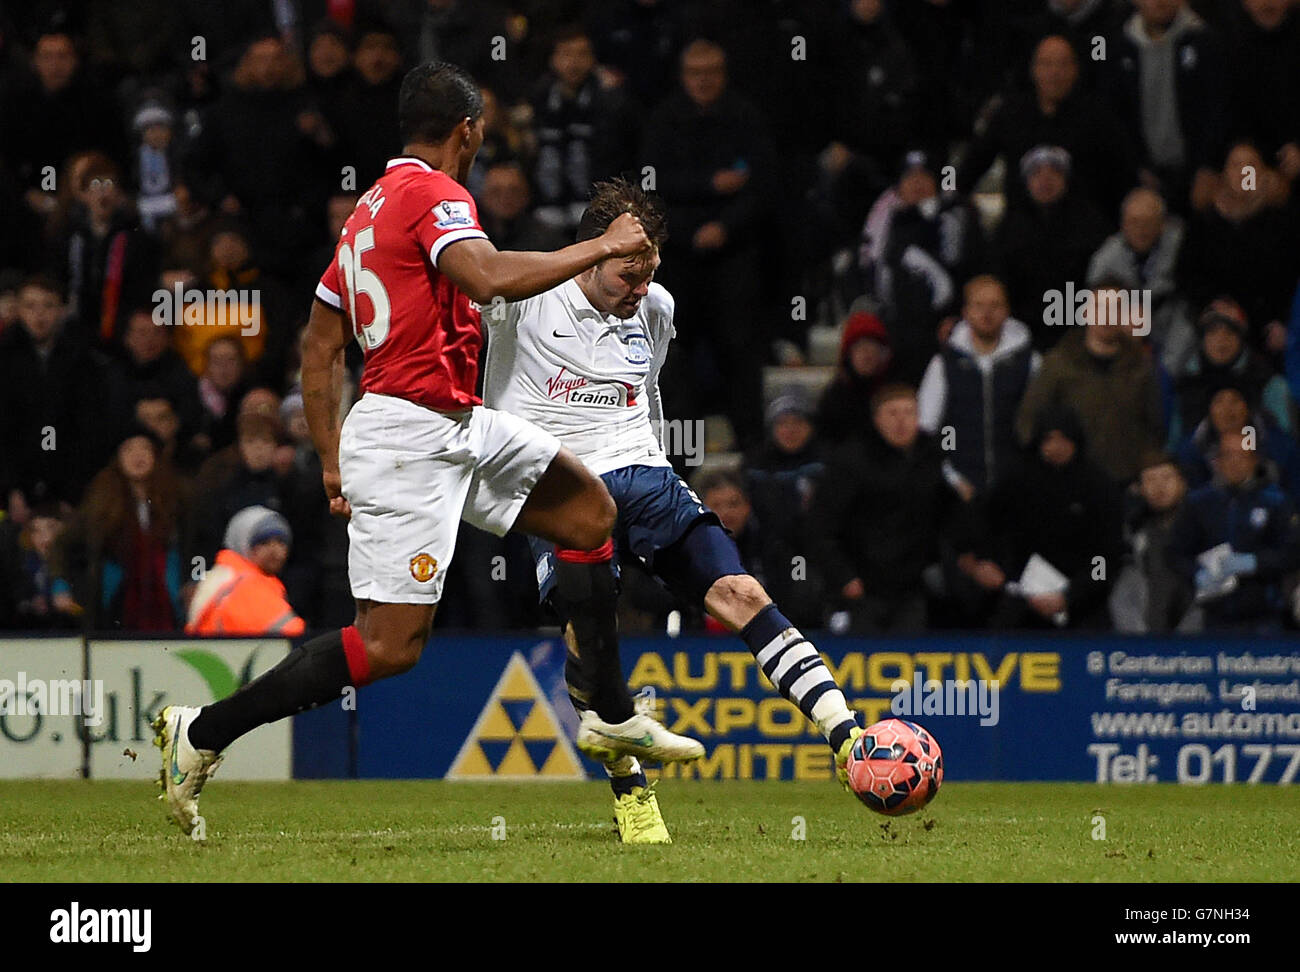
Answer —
253 525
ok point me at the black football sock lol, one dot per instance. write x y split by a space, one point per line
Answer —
307 677
586 597
792 665
580 681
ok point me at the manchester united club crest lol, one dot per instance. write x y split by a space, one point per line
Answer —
423 567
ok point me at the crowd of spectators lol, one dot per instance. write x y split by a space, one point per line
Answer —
1058 238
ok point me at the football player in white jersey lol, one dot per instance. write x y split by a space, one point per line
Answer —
582 361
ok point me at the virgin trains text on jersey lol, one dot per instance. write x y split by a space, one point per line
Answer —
576 390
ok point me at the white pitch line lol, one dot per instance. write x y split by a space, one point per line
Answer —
425 831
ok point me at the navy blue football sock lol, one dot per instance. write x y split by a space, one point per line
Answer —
623 785
792 665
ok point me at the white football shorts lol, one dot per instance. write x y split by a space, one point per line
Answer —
412 474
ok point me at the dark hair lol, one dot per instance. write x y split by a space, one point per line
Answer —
55 27
712 479
611 199
327 25
1242 142
47 509
510 162
98 166
888 392
108 507
436 96
702 41
226 339
566 33
139 308
1152 457
369 26
153 391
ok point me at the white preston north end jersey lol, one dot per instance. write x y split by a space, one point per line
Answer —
590 379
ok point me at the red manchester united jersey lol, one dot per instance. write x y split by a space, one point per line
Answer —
420 334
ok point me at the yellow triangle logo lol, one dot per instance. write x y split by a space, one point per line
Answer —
517 761
518 682
496 750
475 763
539 725
562 765
497 724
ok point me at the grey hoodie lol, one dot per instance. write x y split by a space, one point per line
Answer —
1171 327
1159 87
932 396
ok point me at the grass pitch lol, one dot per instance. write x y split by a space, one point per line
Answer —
732 831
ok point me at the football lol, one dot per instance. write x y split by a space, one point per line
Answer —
895 767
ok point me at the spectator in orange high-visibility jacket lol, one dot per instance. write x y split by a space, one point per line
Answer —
241 594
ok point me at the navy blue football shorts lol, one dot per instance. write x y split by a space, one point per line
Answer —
664 525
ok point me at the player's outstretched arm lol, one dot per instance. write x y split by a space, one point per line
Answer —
483 272
327 335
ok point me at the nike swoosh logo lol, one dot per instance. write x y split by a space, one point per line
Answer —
559 335
177 776
646 740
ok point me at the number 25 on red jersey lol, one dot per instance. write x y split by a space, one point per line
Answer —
358 278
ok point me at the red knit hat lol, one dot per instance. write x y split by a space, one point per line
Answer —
859 325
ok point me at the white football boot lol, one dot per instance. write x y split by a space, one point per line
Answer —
641 736
184 769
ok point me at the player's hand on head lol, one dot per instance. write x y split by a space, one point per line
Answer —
627 235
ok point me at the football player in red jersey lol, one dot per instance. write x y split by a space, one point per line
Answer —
418 452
